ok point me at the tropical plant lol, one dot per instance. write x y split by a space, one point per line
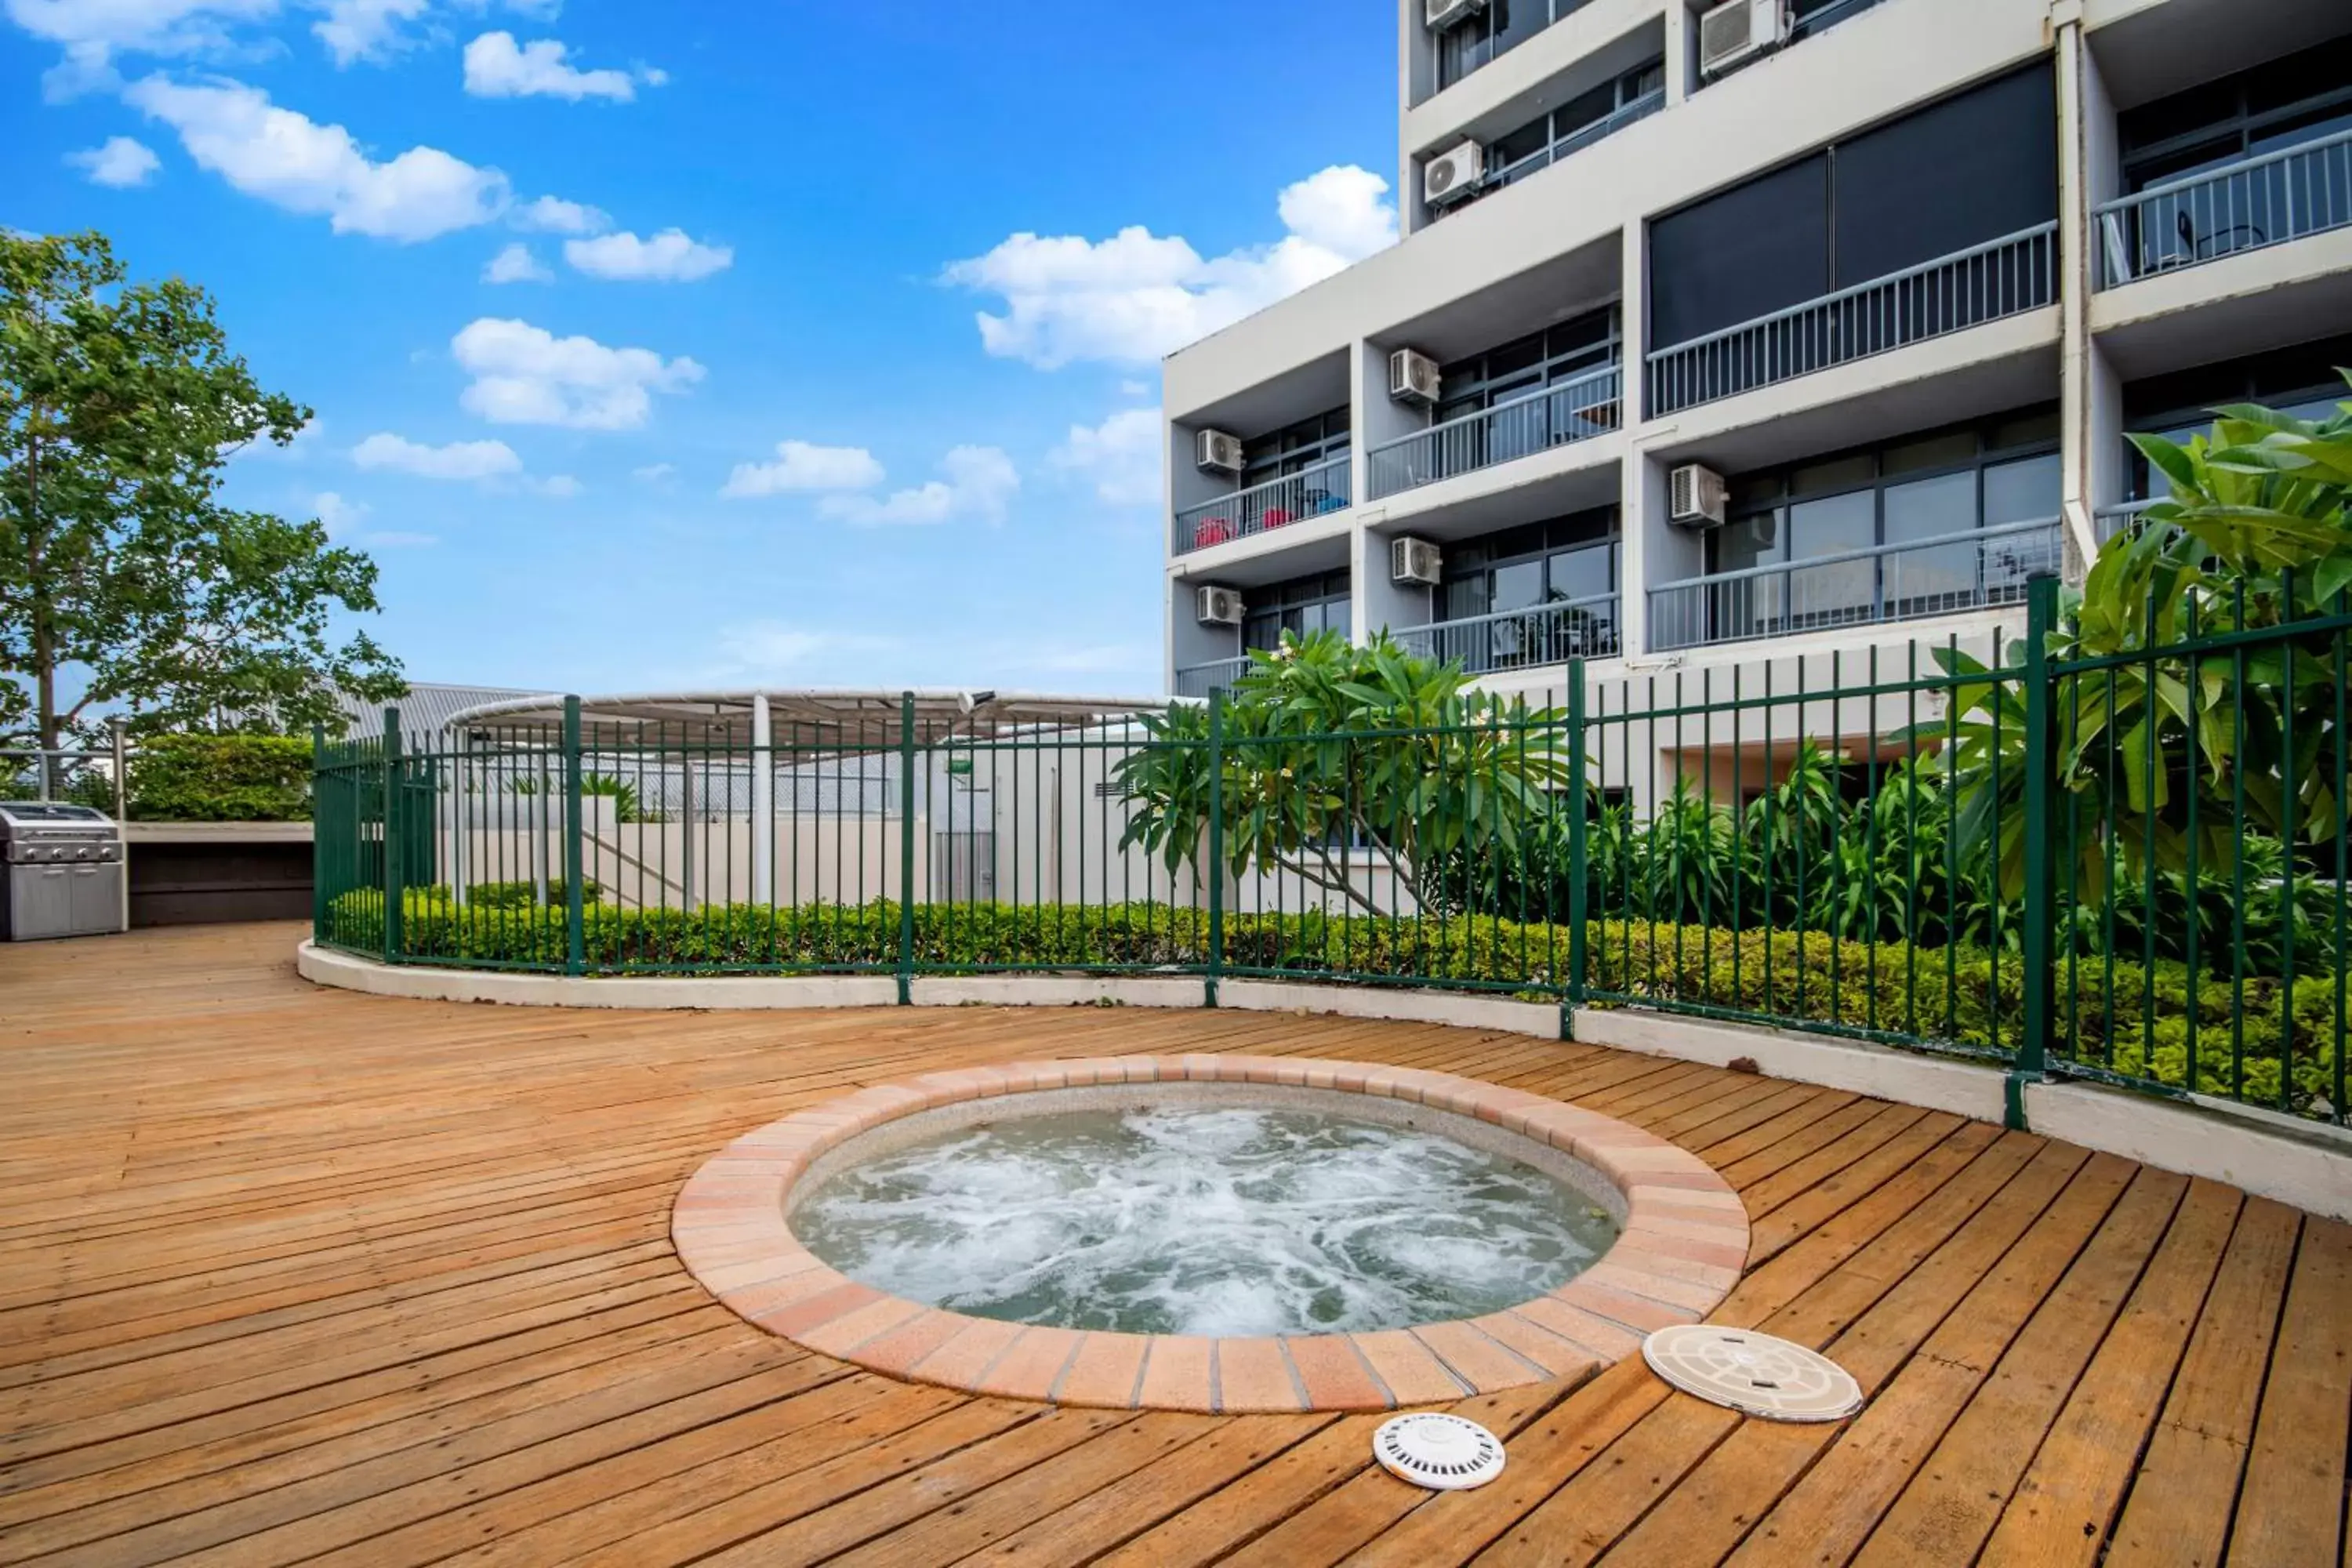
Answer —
1326 747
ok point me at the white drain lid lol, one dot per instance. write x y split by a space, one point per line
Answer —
1752 1373
1444 1453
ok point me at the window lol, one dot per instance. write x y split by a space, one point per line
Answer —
1300 606
1970 169
2282 105
1525 366
1569 562
1502 26
1891 499
1295 448
1584 120
2302 380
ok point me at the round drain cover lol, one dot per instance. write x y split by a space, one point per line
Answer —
1444 1453
1754 1373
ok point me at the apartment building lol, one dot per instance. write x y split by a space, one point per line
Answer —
1780 329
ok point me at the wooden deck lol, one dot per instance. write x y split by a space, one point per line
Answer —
294 1276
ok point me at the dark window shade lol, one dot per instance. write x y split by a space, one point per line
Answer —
1748 252
1969 170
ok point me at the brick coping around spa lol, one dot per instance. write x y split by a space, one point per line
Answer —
1681 1251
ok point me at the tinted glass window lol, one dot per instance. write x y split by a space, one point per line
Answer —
1971 169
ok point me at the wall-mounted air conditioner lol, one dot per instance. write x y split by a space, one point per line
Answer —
1216 451
1414 560
1740 30
1454 175
1695 497
1440 14
1215 606
1413 376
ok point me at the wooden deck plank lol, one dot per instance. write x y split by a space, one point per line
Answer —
289 1274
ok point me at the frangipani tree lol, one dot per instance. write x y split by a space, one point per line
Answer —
1327 746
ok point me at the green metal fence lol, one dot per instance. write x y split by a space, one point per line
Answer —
2125 866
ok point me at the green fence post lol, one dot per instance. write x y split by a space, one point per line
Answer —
1576 849
2033 1061
1216 856
907 849
393 892
576 904
317 833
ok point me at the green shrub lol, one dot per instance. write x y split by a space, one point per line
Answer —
220 778
1961 996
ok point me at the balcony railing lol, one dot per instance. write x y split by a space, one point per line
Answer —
2265 201
2113 519
1200 680
1600 130
1570 411
1276 503
1518 639
1939 576
2004 277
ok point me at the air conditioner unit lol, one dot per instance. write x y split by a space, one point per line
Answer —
1413 561
1216 450
1413 376
1440 14
1454 175
1695 497
1215 606
1740 30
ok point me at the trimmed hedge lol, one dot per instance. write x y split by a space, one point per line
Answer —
220 778
1935 995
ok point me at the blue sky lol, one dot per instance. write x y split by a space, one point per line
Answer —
936 249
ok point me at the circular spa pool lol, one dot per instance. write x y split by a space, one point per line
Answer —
1185 1213
1221 1233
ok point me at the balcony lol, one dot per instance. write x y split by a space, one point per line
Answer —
2253 205
2005 277
1559 416
1200 680
1521 639
2113 519
1276 503
1948 574
1546 156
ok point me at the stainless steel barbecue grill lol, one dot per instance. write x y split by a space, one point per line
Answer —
63 870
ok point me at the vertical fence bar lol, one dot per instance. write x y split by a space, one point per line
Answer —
1576 847
2034 1043
319 827
393 894
1216 854
575 913
906 848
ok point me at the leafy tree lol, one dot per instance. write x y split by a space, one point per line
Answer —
1327 745
119 567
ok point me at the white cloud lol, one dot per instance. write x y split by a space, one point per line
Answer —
497 67
1121 455
526 375
365 29
91 33
555 487
344 520
553 214
802 467
776 648
292 162
1136 296
119 161
980 481
1133 388
516 264
476 461
668 257
653 473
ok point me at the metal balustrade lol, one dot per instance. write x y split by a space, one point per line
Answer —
1936 576
2113 519
2262 202
1552 153
1312 491
1200 680
1518 639
2005 277
1569 411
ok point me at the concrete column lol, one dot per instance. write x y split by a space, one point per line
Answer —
1377 418
763 803
1382 604
1682 52
2085 146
